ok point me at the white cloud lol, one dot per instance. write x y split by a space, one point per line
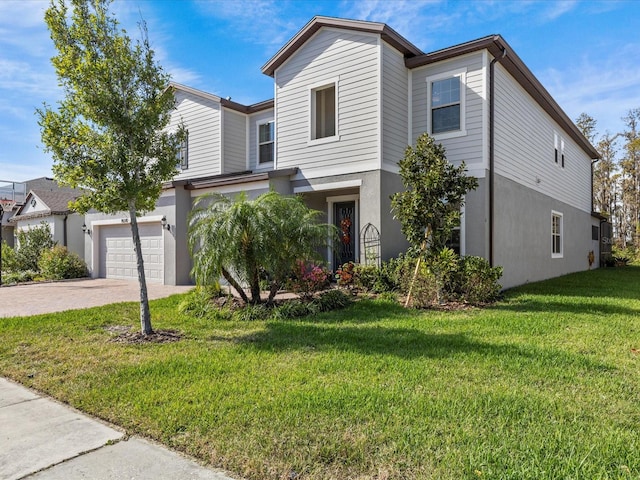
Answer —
556 9
263 22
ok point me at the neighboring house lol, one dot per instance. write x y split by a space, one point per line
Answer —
47 202
349 97
12 196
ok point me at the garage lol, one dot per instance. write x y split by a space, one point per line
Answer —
118 257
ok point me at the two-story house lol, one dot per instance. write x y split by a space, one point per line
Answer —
349 97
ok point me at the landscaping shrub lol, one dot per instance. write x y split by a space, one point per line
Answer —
425 288
19 276
345 275
332 300
476 281
31 244
198 302
252 312
9 263
366 277
292 309
307 279
58 263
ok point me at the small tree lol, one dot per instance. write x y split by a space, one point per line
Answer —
429 208
107 135
242 239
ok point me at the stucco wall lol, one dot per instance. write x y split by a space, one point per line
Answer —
522 235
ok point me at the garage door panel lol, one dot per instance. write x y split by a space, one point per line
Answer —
117 254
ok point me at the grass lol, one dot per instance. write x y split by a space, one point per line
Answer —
545 384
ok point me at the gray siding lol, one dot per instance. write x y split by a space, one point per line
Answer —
353 59
468 148
234 130
395 105
254 121
524 147
201 117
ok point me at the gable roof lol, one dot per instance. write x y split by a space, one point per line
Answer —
387 33
55 198
247 109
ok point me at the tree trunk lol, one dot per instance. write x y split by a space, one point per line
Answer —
255 288
145 315
423 247
273 290
227 276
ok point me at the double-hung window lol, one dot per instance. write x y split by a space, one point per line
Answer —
446 104
323 112
266 137
556 235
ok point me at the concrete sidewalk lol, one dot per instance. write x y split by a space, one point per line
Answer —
43 439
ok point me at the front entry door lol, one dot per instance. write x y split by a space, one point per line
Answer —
344 218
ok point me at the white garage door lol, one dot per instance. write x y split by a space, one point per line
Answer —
118 257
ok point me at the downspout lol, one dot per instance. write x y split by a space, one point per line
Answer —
64 230
491 149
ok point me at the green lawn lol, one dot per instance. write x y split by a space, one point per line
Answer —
545 385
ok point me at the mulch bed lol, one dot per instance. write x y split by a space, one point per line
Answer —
123 334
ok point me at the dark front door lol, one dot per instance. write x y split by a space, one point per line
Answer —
344 218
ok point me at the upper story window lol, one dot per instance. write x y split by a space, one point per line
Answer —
324 112
558 144
556 235
266 137
182 155
447 104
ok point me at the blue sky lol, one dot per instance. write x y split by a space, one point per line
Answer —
586 53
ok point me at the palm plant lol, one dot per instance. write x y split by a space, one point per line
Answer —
241 239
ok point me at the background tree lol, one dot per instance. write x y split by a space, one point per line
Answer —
429 208
243 240
107 134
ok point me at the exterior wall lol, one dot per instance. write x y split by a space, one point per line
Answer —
475 220
470 148
75 235
395 106
351 60
524 147
595 244
234 130
392 240
522 235
254 121
174 204
202 118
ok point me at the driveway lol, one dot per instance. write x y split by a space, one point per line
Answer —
37 298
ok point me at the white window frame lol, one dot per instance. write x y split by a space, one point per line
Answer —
258 143
461 74
312 140
560 234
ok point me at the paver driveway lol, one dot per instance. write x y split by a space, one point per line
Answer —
37 298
